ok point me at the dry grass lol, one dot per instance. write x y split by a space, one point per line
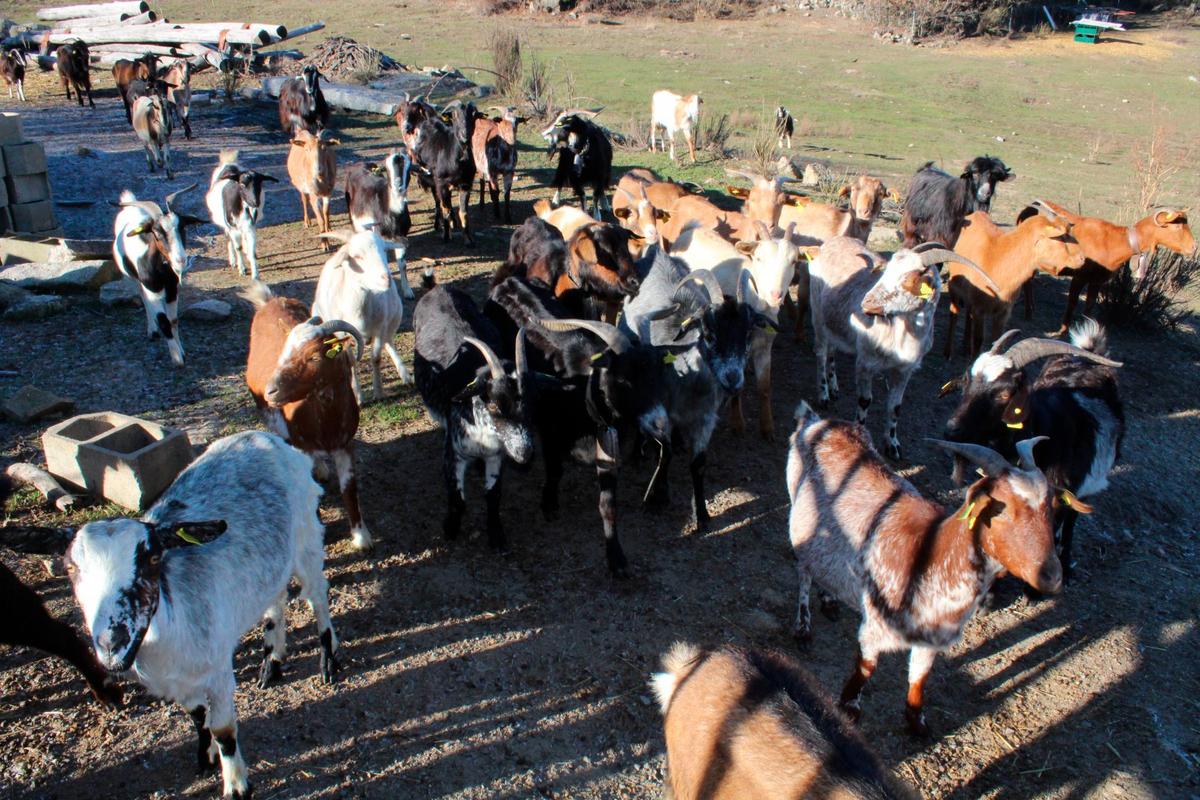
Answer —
1158 300
505 46
1154 165
761 151
713 135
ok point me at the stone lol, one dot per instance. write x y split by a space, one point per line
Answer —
124 459
51 250
27 188
30 403
10 128
27 158
73 275
123 292
208 311
811 176
33 217
36 306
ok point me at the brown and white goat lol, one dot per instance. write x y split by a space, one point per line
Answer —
823 222
1108 247
915 572
765 199
754 724
494 148
299 372
312 166
178 78
152 124
12 69
673 112
636 212
125 71
1041 242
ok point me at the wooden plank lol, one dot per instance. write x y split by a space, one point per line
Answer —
94 10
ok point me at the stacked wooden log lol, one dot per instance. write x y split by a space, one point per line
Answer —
129 28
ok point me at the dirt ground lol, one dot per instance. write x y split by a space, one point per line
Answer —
468 675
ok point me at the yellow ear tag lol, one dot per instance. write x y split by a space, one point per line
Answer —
187 537
971 522
669 358
946 386
926 291
598 356
334 350
966 514
980 472
1015 425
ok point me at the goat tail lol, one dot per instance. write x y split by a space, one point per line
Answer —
227 156
1088 334
257 294
542 207
676 662
127 196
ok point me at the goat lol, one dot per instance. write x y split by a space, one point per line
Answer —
1107 247
299 374
474 396
638 212
771 262
821 222
916 573
537 252
152 124
706 336
1074 399
443 152
1042 242
785 126
12 68
607 387
235 204
584 157
377 197
148 247
174 616
302 104
178 80
312 167
745 723
938 203
355 286
885 319
125 71
673 112
494 149
73 63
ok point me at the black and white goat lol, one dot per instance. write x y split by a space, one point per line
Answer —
938 204
148 247
479 400
1074 402
172 617
785 126
377 196
705 336
235 203
441 147
302 103
12 68
584 158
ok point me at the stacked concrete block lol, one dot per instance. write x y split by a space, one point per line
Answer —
25 205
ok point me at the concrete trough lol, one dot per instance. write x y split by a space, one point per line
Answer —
124 459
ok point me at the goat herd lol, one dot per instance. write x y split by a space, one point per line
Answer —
598 338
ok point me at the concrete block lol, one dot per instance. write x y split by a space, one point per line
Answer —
27 158
124 459
37 306
4 194
27 188
5 226
33 217
73 275
10 128
30 403
53 250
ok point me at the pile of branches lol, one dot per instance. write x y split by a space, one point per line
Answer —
1159 299
340 57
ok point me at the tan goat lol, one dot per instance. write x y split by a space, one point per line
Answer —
312 166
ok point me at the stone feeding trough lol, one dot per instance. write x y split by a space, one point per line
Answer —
124 459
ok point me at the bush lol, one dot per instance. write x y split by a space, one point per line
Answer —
1159 299
713 135
506 58
536 89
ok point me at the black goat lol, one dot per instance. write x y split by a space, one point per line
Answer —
480 401
608 389
12 69
441 148
937 203
1074 401
73 62
377 195
302 103
785 126
536 252
584 158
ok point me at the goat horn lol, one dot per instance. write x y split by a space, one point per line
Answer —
992 462
745 281
522 361
1027 351
341 326
171 197
1025 452
1004 339
707 282
582 112
489 355
616 341
941 256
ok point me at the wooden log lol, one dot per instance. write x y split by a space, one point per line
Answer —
316 26
160 33
131 47
30 475
94 10
346 95
103 22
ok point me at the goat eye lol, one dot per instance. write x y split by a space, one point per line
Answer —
155 559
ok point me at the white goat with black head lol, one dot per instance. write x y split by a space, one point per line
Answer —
355 286
881 314
235 203
148 247
377 196
172 618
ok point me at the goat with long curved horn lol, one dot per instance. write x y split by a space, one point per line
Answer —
1025 452
334 326
616 341
985 458
170 200
940 255
1027 351
495 367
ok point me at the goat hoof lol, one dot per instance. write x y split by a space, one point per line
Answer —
270 672
108 693
247 794
915 718
329 667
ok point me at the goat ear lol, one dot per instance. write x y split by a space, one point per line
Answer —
141 229
585 246
661 215
795 200
979 506
622 213
1008 175
200 532
746 248
1017 410
845 192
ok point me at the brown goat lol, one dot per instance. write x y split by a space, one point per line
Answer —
299 372
312 166
73 62
747 724
1041 242
1108 247
494 148
126 71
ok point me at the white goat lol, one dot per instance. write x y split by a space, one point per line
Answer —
355 286
884 318
235 203
674 112
173 618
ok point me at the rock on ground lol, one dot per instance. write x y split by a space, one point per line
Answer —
120 292
72 275
208 311
36 306
30 403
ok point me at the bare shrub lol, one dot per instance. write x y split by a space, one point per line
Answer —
536 89
1153 166
922 18
506 59
1158 300
761 153
713 135
500 6
231 79
633 136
